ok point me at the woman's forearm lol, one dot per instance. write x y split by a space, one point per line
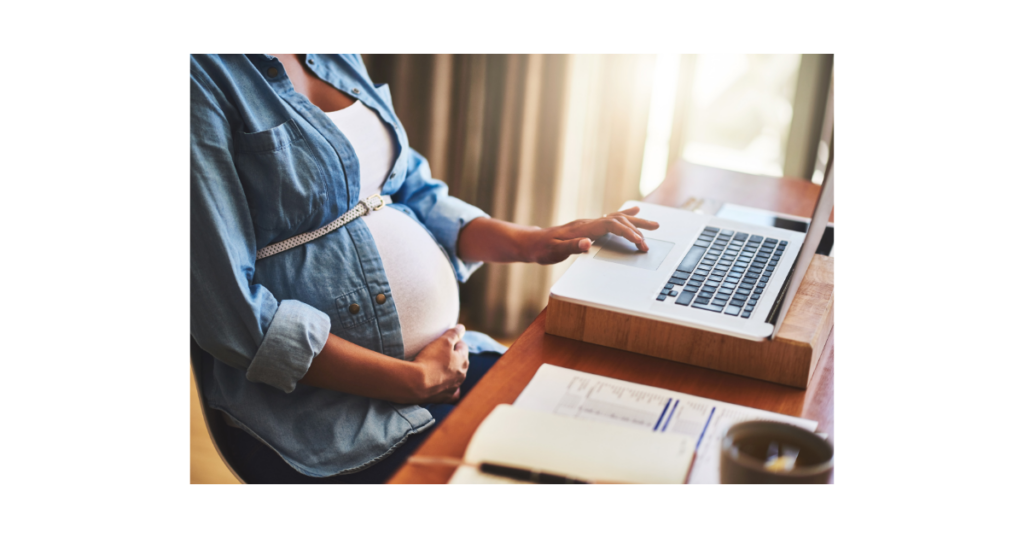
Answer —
346 367
492 240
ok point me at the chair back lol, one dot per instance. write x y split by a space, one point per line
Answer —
216 426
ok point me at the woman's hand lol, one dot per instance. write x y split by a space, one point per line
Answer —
442 365
493 240
434 376
552 245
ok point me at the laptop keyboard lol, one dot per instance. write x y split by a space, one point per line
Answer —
724 271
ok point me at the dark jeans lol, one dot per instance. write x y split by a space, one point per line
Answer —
259 464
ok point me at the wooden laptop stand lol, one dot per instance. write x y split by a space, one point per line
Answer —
788 359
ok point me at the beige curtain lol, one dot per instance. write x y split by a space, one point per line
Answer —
533 139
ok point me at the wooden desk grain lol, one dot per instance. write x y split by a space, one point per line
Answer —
513 372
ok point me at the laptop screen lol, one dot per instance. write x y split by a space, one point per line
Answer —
803 260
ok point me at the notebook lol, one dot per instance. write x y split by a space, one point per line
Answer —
592 398
582 449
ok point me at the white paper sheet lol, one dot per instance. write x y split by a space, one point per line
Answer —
577 394
586 450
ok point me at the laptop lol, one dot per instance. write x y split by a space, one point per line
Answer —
700 271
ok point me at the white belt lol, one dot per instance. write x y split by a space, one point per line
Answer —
374 202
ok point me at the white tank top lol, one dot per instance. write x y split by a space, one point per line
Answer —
422 281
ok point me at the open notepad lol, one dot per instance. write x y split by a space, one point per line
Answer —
596 428
583 449
594 398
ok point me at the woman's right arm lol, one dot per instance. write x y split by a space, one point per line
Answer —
433 376
240 323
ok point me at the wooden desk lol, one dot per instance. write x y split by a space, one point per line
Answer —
513 372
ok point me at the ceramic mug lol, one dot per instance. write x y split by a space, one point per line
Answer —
760 452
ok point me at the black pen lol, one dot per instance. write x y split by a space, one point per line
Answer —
528 475
505 471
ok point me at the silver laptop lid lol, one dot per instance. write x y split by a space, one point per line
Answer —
814 232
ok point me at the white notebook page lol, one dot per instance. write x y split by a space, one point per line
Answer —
580 449
571 393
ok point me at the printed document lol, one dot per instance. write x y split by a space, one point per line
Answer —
592 397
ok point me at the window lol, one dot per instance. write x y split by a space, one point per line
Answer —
729 111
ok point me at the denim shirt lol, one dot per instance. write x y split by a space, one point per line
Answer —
266 165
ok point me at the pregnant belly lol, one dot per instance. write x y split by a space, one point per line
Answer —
422 282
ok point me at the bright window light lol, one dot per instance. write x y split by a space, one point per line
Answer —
659 123
741 111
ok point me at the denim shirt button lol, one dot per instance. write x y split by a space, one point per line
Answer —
309 61
272 72
353 309
355 91
381 298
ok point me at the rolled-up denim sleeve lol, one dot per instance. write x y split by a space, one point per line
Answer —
239 323
297 333
443 215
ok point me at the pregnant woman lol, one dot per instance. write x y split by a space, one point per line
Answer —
325 264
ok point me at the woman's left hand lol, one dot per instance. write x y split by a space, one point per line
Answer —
552 245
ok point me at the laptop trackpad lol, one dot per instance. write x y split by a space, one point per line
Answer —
618 250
